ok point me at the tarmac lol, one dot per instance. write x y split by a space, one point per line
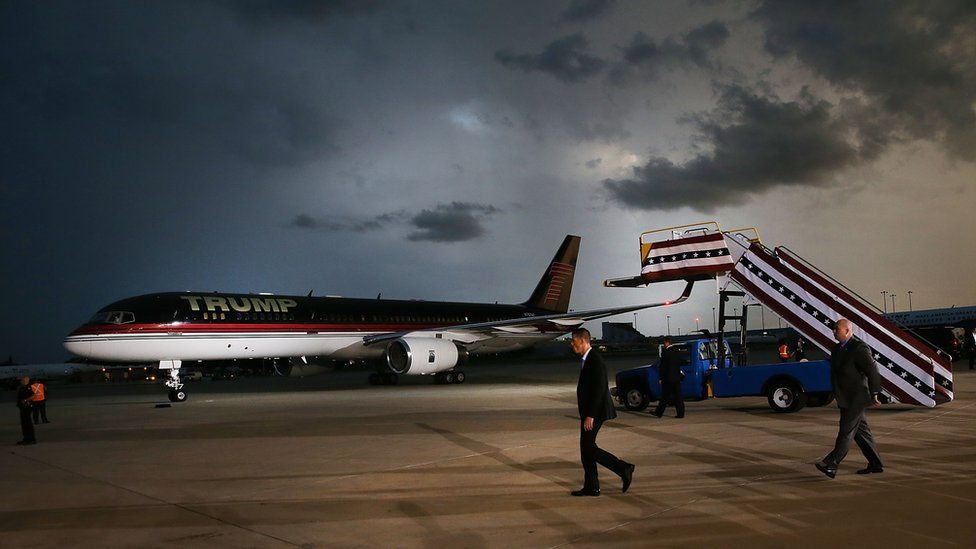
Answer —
330 461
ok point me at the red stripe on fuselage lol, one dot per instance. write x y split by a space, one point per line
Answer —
236 327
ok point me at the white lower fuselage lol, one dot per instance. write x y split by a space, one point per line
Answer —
137 346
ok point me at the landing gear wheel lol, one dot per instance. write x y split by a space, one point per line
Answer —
177 395
449 377
635 400
786 396
459 377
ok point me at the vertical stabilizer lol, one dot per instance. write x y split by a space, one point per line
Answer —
554 288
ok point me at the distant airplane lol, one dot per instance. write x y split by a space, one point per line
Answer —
10 374
413 337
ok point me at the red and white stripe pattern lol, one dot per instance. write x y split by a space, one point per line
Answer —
559 273
905 346
814 308
695 257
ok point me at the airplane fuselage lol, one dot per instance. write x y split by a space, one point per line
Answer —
212 326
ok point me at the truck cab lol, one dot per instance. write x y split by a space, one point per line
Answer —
788 386
638 387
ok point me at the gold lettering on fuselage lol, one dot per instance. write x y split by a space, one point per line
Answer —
265 305
193 299
241 305
214 302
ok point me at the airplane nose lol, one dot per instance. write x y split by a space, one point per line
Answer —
77 348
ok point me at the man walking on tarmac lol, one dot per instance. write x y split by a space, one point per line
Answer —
24 397
39 404
857 384
670 375
595 407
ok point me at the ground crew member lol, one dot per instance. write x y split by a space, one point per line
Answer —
39 403
670 375
24 398
784 351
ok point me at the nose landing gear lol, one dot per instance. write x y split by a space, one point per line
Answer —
176 391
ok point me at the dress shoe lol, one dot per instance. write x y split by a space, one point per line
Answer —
679 417
871 469
585 492
628 476
830 471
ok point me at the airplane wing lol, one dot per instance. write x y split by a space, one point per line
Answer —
469 333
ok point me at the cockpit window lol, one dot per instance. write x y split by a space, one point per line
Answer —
113 317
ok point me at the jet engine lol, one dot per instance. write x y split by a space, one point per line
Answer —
423 355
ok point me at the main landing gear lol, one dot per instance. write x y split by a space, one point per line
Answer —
441 378
176 391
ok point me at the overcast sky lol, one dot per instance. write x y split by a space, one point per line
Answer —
441 150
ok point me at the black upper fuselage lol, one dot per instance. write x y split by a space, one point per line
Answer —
279 312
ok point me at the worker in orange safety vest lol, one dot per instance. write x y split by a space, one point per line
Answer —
784 351
39 402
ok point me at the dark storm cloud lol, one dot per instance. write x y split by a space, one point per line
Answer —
343 224
914 62
142 93
645 57
565 58
271 11
454 222
584 10
756 142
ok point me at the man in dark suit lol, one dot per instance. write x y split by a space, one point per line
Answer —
24 397
669 370
856 386
595 407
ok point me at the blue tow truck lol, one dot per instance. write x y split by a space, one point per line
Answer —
788 386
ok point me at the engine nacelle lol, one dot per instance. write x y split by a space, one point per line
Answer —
423 355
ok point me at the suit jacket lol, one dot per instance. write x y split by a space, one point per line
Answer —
854 374
669 368
592 391
24 396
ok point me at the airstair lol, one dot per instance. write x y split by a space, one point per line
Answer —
805 297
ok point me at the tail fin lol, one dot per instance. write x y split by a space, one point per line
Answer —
554 288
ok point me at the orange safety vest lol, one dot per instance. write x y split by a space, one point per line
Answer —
784 351
38 389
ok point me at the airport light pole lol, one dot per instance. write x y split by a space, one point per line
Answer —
714 324
762 315
697 327
892 302
669 324
909 301
884 300
635 323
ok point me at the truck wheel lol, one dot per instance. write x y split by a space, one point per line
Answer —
817 400
785 396
635 400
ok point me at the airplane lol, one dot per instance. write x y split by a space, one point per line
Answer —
411 337
11 374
